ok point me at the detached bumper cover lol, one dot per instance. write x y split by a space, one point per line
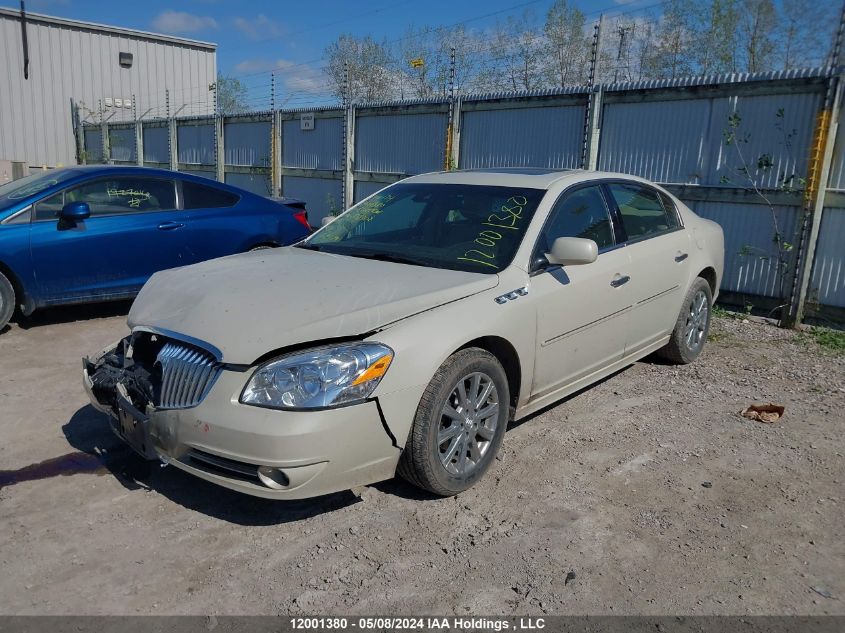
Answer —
262 452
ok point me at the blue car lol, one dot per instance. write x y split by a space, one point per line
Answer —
97 233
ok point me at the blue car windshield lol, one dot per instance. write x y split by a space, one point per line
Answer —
16 190
471 228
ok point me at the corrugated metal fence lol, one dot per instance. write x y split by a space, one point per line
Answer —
706 139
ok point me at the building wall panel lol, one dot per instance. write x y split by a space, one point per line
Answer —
156 147
524 137
247 143
195 144
122 144
71 63
366 189
827 284
751 264
694 140
256 183
322 196
400 143
94 145
320 148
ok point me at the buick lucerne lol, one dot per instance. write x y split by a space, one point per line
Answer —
404 335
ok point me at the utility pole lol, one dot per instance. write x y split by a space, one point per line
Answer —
589 117
447 161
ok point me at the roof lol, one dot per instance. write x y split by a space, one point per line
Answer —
527 177
103 28
531 177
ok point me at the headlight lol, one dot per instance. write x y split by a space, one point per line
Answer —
321 377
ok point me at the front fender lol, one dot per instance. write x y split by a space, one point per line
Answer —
423 342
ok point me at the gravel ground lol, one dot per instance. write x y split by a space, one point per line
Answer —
645 494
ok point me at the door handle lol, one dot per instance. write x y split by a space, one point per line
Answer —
170 226
681 256
619 280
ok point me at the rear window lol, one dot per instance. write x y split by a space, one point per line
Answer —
198 196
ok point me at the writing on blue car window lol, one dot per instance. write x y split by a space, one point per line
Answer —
473 228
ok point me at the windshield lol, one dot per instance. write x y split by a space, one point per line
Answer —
15 190
473 228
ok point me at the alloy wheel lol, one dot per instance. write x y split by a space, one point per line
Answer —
696 325
468 423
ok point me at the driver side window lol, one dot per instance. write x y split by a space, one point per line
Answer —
581 213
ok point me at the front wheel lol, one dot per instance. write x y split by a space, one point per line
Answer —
459 424
692 326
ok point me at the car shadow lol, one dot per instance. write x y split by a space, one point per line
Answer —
100 452
71 313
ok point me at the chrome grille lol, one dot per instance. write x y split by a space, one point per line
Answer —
187 375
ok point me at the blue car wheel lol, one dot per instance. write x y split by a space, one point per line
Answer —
7 301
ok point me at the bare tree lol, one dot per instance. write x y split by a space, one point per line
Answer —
370 68
805 31
567 47
675 36
715 41
757 34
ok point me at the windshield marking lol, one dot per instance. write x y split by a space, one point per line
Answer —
490 239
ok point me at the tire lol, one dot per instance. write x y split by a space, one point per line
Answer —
693 324
473 441
7 300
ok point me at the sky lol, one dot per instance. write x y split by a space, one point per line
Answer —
257 36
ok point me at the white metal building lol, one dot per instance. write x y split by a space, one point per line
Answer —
107 72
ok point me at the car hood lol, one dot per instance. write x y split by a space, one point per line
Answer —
251 304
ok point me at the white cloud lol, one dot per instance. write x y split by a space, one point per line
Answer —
182 22
292 78
258 28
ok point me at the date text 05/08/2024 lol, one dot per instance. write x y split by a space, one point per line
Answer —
421 623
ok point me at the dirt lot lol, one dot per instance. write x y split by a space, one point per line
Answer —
648 491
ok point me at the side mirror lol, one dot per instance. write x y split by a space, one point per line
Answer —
327 220
572 251
75 211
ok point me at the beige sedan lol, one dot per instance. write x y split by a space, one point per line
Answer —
404 335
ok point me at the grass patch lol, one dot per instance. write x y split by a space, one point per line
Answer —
831 340
720 337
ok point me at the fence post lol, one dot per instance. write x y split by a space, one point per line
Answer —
278 143
349 163
172 142
139 143
822 154
104 141
81 157
457 121
219 149
594 130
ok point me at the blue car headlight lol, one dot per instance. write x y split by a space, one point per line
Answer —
322 377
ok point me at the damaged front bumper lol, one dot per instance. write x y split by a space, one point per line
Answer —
262 452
